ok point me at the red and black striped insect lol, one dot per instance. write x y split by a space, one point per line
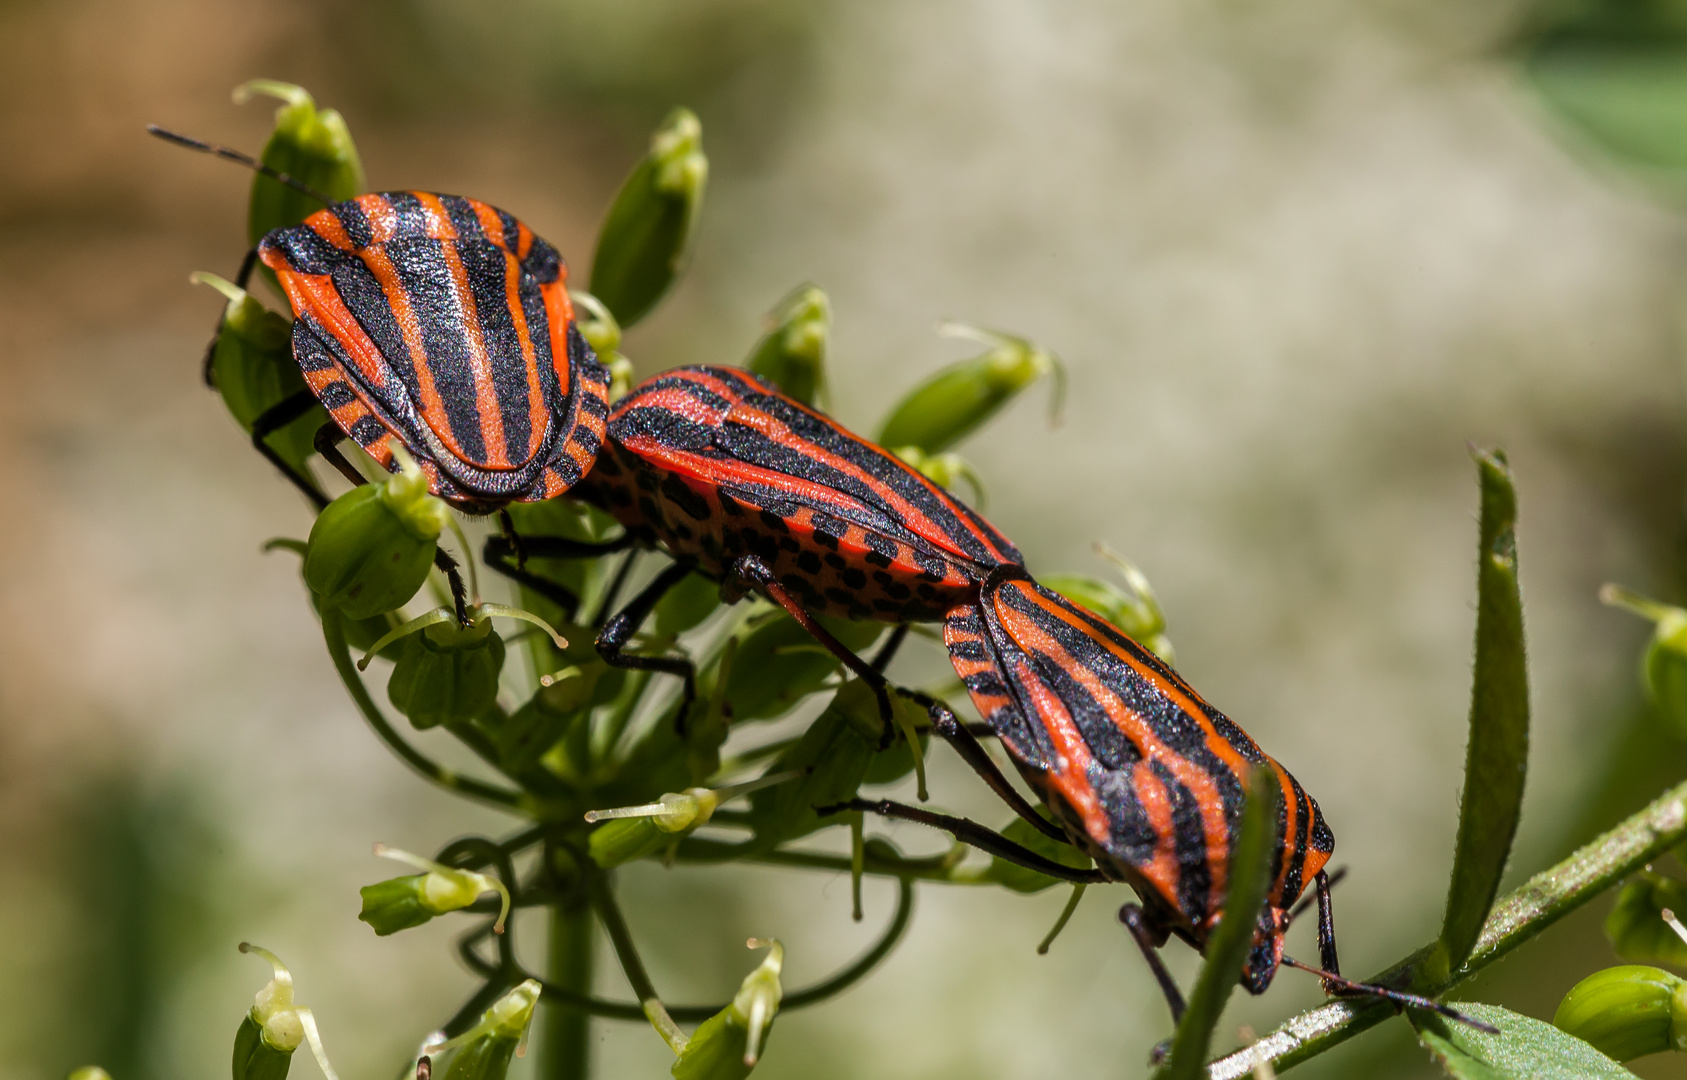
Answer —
1140 772
440 324
745 485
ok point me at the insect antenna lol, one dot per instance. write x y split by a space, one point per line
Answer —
236 156
1399 997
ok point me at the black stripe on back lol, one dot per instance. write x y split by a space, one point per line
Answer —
488 271
428 282
463 219
1189 840
353 221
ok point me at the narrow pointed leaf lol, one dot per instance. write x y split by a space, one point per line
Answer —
1496 757
1227 949
1525 1049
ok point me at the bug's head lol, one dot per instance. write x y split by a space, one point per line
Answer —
1266 952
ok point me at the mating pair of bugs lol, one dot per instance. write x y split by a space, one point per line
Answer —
442 325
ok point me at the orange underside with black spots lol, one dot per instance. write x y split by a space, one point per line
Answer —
443 325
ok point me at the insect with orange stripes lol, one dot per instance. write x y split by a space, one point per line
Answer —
1141 774
749 487
438 324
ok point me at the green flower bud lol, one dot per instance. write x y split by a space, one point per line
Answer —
402 902
598 326
312 147
648 230
254 369
274 1028
1637 927
484 1051
562 705
370 550
360 633
954 402
727 1045
1627 1012
779 663
447 674
1665 667
1136 611
88 1072
792 354
637 832
944 470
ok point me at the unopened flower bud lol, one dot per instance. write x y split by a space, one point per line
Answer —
635 832
598 326
1627 1012
792 354
274 1028
312 146
370 549
1134 609
728 1044
88 1072
254 370
945 470
448 673
484 1051
954 402
1665 668
403 902
647 232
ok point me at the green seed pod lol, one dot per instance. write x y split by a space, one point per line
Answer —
370 550
255 1057
1637 927
634 832
727 1045
402 902
954 402
1627 1012
792 354
1665 668
779 663
313 147
944 470
647 232
447 674
273 1028
254 369
484 1051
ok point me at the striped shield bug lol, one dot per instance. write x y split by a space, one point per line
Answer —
748 486
1141 774
438 324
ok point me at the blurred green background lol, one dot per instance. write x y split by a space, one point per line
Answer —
1296 255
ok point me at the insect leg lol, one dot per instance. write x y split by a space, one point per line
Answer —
209 370
1326 929
507 524
275 418
970 832
625 623
500 556
753 570
499 560
887 652
955 733
1149 939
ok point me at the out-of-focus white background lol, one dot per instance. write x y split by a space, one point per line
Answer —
1296 256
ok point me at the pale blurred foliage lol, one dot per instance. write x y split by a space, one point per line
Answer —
1295 255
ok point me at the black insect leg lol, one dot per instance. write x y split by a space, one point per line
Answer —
1326 930
955 733
752 570
1149 938
626 622
969 832
507 524
275 418
500 556
887 652
245 275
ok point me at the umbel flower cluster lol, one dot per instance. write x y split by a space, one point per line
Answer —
604 765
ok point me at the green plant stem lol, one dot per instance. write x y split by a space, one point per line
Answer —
568 1030
333 633
609 912
1519 916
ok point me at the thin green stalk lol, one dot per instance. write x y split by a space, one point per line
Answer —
567 1039
1536 905
609 912
333 632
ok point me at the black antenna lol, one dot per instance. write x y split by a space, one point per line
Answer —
244 159
1399 997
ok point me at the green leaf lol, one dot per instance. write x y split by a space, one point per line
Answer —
779 663
1496 758
1525 1048
1022 880
1227 947
834 755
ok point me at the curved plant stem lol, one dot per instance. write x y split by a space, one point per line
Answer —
609 913
1536 905
333 632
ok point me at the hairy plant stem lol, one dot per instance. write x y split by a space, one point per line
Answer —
1536 905
568 1031
333 633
